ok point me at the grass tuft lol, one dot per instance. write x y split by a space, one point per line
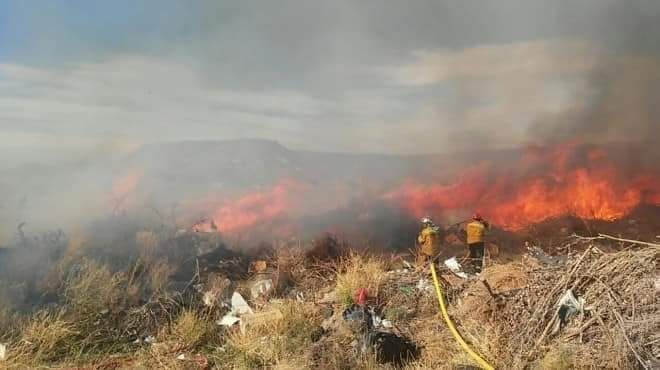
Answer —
358 271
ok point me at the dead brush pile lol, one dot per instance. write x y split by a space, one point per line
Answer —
617 328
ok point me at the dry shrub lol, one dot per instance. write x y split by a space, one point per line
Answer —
359 271
437 344
274 342
558 358
9 324
147 242
190 329
92 288
45 338
158 275
147 358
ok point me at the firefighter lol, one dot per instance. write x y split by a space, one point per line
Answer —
428 241
476 230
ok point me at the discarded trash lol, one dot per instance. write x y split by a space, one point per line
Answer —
148 339
262 287
181 357
3 352
210 298
388 347
259 266
392 348
358 317
239 305
455 267
360 296
260 318
569 305
424 285
228 320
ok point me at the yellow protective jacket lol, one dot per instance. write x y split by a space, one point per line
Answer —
475 232
429 241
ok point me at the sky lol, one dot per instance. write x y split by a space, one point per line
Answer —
86 78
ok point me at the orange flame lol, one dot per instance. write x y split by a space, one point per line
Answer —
546 183
253 208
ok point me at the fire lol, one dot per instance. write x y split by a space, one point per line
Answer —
261 207
544 183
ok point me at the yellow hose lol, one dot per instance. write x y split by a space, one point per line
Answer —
450 324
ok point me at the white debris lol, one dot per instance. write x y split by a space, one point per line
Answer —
150 339
569 305
424 285
239 305
181 357
455 267
228 320
387 324
3 352
262 288
211 298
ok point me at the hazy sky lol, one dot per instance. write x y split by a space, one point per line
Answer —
77 77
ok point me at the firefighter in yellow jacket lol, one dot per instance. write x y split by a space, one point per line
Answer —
428 241
476 230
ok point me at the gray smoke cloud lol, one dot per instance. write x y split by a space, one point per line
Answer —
78 97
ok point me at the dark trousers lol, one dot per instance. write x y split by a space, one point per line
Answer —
477 255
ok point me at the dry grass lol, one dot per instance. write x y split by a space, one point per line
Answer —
359 271
158 275
147 242
92 288
190 329
45 338
279 342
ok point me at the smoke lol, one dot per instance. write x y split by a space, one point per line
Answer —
428 77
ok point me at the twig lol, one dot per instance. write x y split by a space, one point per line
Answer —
605 236
564 284
623 331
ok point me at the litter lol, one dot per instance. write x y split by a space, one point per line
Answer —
261 288
239 305
424 285
568 305
228 320
181 357
360 296
259 266
388 347
455 267
3 352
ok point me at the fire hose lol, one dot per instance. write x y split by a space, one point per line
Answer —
451 326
